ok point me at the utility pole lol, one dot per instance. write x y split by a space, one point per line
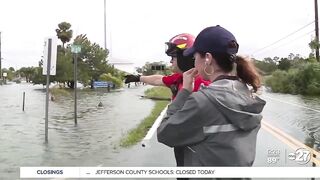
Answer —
105 26
317 28
0 62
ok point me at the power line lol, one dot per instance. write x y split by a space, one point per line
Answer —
289 41
283 38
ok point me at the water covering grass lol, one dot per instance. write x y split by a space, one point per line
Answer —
60 92
137 134
160 92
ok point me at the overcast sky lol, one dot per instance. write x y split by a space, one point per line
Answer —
137 29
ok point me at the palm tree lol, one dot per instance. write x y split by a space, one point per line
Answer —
64 32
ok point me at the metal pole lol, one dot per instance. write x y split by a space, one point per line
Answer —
317 28
24 97
0 62
47 89
105 26
75 87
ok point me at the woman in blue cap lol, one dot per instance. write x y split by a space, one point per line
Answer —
217 125
180 63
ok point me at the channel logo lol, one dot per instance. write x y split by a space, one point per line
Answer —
301 156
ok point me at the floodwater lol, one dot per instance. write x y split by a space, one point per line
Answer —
95 140
297 115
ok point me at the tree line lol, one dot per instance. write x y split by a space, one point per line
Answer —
293 74
92 63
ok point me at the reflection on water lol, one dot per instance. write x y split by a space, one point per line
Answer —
92 142
296 115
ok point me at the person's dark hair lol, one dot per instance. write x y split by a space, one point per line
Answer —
246 70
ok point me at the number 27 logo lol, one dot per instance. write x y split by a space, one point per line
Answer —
302 156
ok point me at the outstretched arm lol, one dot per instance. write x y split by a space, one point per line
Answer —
155 80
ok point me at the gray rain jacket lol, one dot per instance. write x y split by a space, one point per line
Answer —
217 125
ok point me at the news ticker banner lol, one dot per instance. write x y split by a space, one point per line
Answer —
169 172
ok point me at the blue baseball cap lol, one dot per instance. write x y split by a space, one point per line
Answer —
214 39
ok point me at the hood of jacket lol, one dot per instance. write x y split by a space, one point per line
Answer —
235 101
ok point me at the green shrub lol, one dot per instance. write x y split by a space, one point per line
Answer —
277 81
114 80
303 80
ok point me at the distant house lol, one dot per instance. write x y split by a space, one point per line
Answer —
158 66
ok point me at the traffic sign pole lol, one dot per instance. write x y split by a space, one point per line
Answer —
75 87
75 49
47 89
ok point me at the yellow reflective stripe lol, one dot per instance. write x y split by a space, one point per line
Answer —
182 46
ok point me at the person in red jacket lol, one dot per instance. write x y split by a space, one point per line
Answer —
180 64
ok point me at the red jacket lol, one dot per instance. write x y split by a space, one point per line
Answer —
175 81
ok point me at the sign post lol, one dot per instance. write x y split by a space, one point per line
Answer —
49 68
47 88
75 49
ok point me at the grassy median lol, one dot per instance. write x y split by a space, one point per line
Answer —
137 134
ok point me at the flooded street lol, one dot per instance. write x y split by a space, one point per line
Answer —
297 115
95 140
92 142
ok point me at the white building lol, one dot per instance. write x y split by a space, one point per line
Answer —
123 65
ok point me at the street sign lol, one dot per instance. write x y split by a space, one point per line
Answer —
4 74
53 53
102 84
75 48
